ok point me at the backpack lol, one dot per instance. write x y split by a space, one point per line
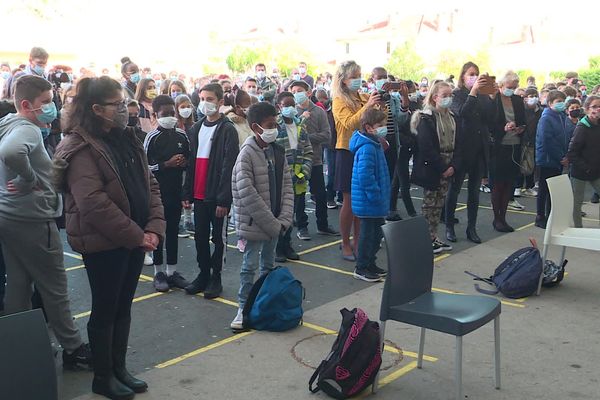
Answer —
354 360
516 277
275 302
553 273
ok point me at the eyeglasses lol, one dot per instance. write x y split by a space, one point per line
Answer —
120 104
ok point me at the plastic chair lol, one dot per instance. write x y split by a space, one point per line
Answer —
407 295
560 229
27 369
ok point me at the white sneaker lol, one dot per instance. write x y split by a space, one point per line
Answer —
531 193
517 192
148 260
238 322
516 206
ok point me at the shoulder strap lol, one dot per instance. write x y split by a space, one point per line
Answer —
484 291
478 278
314 377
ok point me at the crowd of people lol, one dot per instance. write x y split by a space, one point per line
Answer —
129 165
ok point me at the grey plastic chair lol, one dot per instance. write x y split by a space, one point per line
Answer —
407 295
27 369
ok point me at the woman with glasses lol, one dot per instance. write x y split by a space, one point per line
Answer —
114 214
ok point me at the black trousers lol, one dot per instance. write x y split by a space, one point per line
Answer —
113 277
543 198
317 189
172 209
208 227
2 280
401 182
475 171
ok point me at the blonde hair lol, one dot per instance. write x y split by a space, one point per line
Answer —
433 91
509 77
339 88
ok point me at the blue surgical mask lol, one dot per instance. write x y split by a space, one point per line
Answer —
38 69
45 133
289 112
5 75
568 98
355 84
379 84
296 77
300 97
135 78
560 107
381 132
445 102
395 94
508 92
175 94
48 114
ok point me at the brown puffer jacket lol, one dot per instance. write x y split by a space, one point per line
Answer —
96 205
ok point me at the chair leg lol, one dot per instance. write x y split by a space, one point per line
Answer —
421 349
497 350
563 252
375 385
544 255
458 366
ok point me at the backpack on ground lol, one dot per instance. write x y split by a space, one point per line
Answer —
354 360
518 276
275 302
553 273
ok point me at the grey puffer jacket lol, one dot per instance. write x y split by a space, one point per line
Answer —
251 197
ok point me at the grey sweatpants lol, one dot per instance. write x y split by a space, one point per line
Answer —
578 192
33 254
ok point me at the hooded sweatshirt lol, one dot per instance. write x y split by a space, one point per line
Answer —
25 162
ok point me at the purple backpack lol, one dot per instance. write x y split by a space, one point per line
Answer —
354 360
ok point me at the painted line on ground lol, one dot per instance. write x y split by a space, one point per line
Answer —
397 374
525 227
325 267
72 255
320 247
135 300
74 268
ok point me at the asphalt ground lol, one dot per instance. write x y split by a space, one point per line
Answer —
172 327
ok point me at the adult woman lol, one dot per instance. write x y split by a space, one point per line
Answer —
131 76
146 92
583 155
114 214
185 112
438 156
474 113
509 123
348 107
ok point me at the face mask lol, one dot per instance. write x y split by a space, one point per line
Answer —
413 97
302 70
379 84
470 81
544 102
559 107
135 78
300 97
132 121
584 93
364 89
532 101
575 113
151 94
38 69
268 135
296 77
45 133
158 82
173 77
65 85
421 94
355 84
381 132
148 76
252 91
445 102
185 112
319 86
568 98
167 122
175 94
508 92
120 119
289 112
207 108
48 114
260 74
5 75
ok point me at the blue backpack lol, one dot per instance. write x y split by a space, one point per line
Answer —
518 276
275 302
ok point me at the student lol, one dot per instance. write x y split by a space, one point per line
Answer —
168 151
176 88
184 112
268 88
583 155
27 219
323 98
133 109
251 87
38 60
551 146
237 104
438 156
303 72
317 128
533 113
370 191
293 137
146 92
131 77
214 147
263 198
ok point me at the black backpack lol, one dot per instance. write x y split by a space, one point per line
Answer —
354 360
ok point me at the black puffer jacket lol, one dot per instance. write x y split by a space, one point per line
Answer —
584 151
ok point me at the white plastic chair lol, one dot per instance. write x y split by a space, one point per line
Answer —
559 229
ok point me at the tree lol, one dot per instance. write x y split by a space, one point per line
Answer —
241 59
405 63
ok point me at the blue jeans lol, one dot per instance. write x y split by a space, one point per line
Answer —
257 253
369 241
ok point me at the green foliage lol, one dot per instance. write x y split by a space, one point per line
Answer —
405 63
591 77
556 76
241 59
594 62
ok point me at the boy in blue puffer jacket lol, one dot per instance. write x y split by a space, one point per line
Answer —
370 191
551 146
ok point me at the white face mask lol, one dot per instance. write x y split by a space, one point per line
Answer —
185 112
268 135
167 122
208 108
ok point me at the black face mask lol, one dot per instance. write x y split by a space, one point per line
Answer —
132 121
575 113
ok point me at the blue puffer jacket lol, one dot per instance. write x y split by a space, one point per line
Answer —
552 139
370 177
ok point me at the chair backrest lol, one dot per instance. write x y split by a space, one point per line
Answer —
561 215
410 262
27 369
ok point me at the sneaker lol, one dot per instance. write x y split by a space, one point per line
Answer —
238 322
517 192
444 246
177 280
378 271
485 189
393 216
198 285
160 282
81 357
437 248
332 205
214 287
530 192
291 254
366 275
595 198
339 202
148 260
182 233
280 256
328 230
515 206
303 234
189 226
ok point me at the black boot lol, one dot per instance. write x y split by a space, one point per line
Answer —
472 235
199 284
215 287
120 340
105 383
450 234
